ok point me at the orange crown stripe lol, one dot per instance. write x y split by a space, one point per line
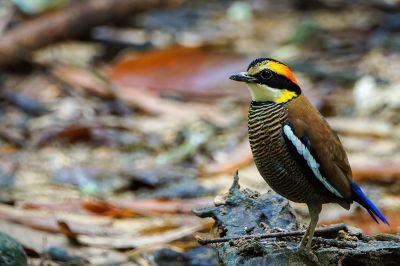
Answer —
283 70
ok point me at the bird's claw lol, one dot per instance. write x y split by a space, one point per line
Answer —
308 256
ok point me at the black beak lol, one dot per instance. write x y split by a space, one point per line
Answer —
243 77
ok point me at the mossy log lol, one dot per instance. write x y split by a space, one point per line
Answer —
246 212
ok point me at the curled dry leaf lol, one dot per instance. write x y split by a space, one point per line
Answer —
106 209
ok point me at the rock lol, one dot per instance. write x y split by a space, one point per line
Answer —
61 255
247 212
11 252
200 256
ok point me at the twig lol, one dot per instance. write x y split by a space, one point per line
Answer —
319 231
68 233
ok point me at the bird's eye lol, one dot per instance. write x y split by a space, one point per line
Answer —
265 74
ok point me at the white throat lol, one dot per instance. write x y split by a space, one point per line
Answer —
260 92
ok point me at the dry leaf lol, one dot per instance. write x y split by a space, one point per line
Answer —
377 172
106 209
152 207
188 72
130 241
361 219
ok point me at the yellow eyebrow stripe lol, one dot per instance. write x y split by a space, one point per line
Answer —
276 67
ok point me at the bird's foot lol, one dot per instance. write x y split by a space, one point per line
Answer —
305 243
307 255
302 248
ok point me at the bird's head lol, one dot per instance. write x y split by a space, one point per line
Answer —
269 81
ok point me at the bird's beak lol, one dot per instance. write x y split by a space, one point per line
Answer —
243 77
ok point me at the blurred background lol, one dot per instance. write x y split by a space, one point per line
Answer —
117 117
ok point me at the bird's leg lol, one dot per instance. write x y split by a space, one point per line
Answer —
314 210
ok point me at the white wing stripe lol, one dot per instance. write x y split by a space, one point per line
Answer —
311 162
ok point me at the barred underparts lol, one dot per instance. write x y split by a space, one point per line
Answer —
277 165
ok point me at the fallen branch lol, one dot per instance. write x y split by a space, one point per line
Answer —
16 44
319 231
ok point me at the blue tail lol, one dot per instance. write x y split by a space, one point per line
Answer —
359 197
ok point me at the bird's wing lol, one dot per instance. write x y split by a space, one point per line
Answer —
313 142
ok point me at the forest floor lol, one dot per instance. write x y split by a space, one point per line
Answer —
109 138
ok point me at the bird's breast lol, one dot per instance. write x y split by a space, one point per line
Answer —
265 129
273 159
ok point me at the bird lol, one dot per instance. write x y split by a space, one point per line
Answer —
294 148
